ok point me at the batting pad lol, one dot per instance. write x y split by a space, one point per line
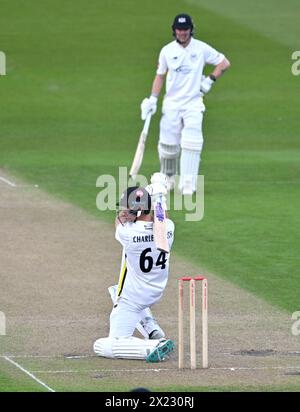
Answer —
168 156
125 348
189 166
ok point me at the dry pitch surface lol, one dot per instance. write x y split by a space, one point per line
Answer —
56 265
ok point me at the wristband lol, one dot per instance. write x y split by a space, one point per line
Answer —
212 77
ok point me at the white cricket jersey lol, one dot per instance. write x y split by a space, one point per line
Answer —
144 270
184 66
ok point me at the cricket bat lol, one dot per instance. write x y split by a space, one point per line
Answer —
139 153
160 225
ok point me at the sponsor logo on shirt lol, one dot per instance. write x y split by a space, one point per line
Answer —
184 69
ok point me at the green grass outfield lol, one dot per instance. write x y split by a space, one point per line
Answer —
76 74
87 379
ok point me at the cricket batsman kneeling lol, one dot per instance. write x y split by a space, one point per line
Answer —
143 278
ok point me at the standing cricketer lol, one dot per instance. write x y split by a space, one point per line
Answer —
142 281
183 61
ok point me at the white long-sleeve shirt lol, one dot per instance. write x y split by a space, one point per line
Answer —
144 270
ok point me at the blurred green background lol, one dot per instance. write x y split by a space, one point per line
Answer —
76 74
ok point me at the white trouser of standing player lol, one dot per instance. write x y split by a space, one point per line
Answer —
181 130
120 343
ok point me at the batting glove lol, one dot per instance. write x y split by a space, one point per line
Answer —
156 189
148 105
206 84
160 178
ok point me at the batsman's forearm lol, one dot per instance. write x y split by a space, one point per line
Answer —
221 68
157 85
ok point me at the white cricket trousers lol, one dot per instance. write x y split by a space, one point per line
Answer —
123 319
182 127
120 343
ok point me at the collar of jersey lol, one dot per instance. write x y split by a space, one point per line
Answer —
187 47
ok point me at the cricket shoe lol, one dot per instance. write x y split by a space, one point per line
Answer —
161 351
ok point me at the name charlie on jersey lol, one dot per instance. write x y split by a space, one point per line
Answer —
148 238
